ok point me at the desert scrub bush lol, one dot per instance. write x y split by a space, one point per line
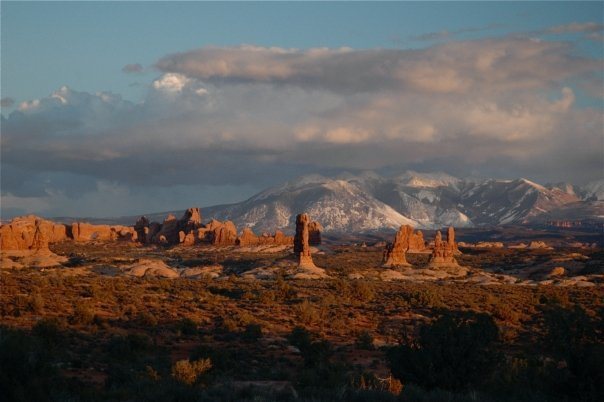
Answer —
187 326
82 314
366 381
454 352
27 369
365 341
148 319
252 332
129 347
267 297
35 304
362 291
429 297
48 330
283 290
190 372
574 339
306 313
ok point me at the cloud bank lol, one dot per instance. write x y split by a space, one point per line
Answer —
223 119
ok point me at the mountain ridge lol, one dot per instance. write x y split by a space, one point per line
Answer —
369 202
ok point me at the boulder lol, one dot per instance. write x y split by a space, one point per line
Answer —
151 268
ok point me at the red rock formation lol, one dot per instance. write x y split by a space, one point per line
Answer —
394 254
443 254
223 234
248 238
20 233
301 246
416 242
189 239
168 232
190 220
82 231
314 233
142 229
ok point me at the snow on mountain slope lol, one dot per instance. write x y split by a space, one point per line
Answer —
593 191
339 205
369 202
510 201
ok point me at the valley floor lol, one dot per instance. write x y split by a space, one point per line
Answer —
94 333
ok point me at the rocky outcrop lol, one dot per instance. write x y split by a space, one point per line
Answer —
141 227
248 238
190 220
539 245
24 243
443 254
82 231
20 233
168 232
223 233
394 254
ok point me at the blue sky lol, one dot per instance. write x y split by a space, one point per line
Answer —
230 98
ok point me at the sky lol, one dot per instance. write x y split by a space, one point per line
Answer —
113 109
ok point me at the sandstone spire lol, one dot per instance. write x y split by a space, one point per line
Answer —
443 254
301 246
394 254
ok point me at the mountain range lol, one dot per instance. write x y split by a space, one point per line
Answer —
371 202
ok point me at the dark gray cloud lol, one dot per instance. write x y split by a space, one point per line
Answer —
222 122
135 68
7 102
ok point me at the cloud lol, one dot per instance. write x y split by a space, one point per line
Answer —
234 120
440 35
456 67
576 27
7 102
135 68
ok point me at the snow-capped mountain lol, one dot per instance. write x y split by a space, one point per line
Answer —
368 202
339 205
